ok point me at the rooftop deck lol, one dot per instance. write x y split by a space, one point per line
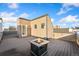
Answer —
21 47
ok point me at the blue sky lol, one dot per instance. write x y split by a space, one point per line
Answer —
62 14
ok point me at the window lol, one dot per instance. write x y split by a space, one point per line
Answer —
24 30
35 26
42 25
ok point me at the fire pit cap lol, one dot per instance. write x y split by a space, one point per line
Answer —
42 42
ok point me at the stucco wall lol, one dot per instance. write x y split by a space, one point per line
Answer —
22 22
59 35
49 28
65 36
39 32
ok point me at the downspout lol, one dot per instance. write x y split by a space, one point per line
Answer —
19 29
46 28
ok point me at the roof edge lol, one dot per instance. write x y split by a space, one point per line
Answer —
24 19
34 18
40 16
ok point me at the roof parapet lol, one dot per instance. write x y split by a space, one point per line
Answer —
34 18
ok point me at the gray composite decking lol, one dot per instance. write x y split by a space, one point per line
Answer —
62 48
21 47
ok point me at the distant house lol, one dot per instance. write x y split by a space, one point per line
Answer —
62 30
9 28
5 28
56 27
38 27
12 28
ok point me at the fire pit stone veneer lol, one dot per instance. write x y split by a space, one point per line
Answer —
39 47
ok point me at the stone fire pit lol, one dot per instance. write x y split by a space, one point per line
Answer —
39 47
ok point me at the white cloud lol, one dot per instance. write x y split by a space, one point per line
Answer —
6 14
77 24
62 25
67 7
52 19
69 21
24 15
72 4
70 18
13 5
11 16
63 10
10 19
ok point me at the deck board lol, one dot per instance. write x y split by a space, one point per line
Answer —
22 46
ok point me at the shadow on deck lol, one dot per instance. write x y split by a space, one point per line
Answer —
21 47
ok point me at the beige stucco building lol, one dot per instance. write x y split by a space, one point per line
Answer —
56 27
38 27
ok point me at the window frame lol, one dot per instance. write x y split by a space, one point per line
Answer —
35 26
43 25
